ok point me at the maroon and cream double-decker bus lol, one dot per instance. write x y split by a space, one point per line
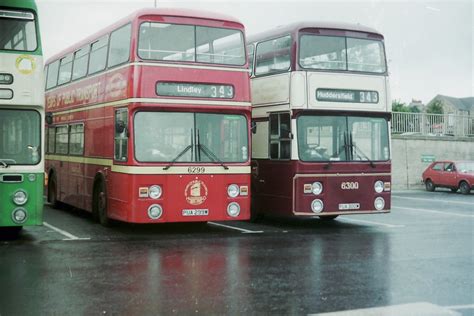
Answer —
148 120
321 116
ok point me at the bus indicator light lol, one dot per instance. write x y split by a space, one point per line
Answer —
244 190
143 192
387 186
308 188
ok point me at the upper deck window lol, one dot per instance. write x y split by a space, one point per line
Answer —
273 56
158 41
341 53
18 31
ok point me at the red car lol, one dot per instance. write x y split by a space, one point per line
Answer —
456 175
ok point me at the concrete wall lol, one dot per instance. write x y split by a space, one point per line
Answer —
407 165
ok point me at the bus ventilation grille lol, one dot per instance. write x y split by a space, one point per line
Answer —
11 178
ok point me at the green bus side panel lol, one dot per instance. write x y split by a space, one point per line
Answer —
33 206
29 5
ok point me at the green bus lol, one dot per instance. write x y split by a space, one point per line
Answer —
21 116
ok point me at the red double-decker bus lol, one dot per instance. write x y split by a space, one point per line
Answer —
148 120
321 107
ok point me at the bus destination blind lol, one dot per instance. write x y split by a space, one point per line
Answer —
197 90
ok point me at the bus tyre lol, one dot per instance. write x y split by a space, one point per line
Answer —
53 192
10 232
464 187
328 218
429 185
255 216
100 204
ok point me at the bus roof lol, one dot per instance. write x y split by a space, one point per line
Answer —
296 27
185 13
20 4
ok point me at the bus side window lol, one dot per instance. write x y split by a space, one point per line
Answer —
51 140
121 135
250 54
76 139
52 78
65 70
119 51
280 136
98 55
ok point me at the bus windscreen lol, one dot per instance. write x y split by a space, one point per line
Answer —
341 53
197 44
18 31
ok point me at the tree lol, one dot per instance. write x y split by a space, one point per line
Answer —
435 107
398 106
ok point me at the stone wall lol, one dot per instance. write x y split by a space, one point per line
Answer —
407 152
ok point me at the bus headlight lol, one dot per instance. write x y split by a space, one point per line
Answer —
233 209
317 206
317 188
19 215
233 190
20 197
155 192
155 211
378 186
379 203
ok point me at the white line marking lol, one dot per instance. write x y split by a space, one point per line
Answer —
423 210
471 306
245 231
432 200
64 233
370 222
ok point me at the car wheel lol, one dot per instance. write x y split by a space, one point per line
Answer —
464 187
429 185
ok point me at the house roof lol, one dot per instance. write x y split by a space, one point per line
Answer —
463 104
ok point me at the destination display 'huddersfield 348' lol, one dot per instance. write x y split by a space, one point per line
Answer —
21 116
321 112
149 120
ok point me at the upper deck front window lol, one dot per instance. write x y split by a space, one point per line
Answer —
341 53
190 43
18 31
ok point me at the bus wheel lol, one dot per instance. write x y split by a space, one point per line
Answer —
53 192
429 185
464 187
255 215
328 218
10 232
100 207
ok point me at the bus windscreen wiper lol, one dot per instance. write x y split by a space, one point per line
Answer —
5 163
185 150
359 153
209 153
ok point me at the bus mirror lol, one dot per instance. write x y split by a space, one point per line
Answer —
253 127
120 127
49 118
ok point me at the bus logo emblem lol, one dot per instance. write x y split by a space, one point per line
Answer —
196 192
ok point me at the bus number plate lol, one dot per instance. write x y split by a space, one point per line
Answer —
349 206
194 212
196 169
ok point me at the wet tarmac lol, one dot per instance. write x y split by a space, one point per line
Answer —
421 254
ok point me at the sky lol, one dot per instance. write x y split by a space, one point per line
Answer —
429 44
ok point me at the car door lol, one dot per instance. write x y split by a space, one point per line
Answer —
449 175
436 172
